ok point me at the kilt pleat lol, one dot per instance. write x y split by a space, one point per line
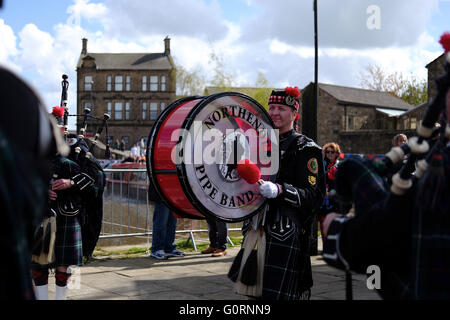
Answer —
286 269
68 245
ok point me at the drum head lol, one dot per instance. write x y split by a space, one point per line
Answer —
220 131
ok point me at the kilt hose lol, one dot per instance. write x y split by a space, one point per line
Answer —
287 269
68 245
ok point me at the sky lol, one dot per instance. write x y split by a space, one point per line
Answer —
41 40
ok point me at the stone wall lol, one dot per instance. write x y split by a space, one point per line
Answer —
435 70
369 141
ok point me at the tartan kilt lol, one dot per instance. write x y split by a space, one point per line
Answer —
287 269
68 245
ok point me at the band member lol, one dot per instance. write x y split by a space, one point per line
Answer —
28 139
75 196
402 229
293 202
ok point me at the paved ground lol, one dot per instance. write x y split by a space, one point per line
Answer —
193 277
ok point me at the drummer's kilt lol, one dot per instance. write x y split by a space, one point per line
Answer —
68 245
287 269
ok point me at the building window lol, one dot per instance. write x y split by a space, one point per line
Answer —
109 139
405 124
144 110
144 83
127 110
88 83
109 108
127 83
88 104
118 111
163 83
163 106
349 123
118 83
153 83
413 123
108 83
153 110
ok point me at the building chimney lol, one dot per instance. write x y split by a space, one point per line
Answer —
84 47
167 46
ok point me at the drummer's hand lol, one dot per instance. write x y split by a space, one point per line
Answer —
326 223
61 184
52 195
269 190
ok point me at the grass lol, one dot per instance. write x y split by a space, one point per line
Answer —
105 253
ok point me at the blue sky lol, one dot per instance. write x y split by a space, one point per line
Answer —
274 38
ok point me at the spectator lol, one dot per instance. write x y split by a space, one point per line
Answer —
399 139
117 144
164 228
331 153
217 237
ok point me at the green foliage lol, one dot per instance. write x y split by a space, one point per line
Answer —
413 90
415 93
189 83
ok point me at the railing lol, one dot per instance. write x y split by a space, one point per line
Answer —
128 213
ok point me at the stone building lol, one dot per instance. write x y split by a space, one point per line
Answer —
435 69
133 88
359 120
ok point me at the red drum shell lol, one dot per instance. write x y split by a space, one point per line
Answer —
160 167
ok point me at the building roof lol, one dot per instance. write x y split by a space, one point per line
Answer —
438 58
129 61
364 97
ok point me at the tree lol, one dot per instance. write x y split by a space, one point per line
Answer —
189 83
221 79
263 91
413 90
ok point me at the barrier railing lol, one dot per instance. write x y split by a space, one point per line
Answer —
127 212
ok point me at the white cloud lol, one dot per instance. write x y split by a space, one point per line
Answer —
8 47
340 23
134 18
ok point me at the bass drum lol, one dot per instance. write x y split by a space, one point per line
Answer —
193 150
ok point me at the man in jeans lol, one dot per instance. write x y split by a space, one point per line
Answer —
163 237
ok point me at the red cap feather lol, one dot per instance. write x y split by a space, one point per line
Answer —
445 41
294 92
58 111
249 171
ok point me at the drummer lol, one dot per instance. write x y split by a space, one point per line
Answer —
293 202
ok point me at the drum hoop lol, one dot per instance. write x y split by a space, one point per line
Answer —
181 168
150 162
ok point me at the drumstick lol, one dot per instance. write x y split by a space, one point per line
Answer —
249 172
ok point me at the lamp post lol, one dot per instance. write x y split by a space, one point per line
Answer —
313 132
316 84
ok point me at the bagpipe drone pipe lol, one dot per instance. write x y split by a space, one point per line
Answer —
404 227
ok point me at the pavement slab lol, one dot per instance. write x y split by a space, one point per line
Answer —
193 277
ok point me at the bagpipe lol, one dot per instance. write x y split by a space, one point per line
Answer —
79 143
413 209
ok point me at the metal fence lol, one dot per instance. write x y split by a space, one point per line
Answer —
128 213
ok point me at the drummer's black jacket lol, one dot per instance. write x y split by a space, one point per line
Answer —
301 176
